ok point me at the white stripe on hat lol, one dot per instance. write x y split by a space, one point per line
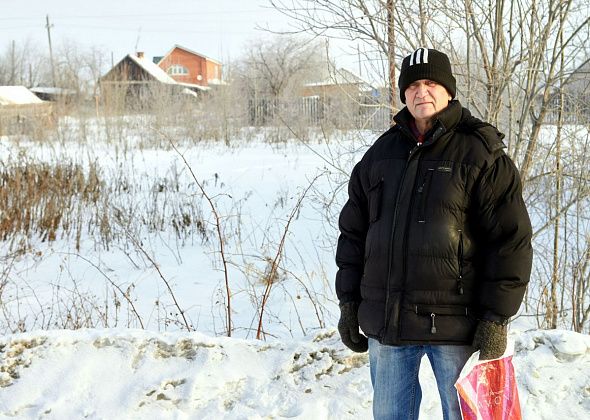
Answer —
420 56
413 58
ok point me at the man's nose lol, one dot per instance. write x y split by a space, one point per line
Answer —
422 91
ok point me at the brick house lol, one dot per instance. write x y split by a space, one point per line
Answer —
189 68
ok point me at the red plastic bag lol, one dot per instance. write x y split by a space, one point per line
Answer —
487 389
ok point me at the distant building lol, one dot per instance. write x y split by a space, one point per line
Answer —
340 82
190 68
55 94
343 98
136 81
22 111
576 98
17 95
135 69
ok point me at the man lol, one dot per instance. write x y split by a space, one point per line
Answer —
435 248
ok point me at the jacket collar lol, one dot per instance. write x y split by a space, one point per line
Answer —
448 118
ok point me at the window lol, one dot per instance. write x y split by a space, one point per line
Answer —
177 70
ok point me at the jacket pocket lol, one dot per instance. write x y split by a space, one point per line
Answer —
423 189
439 314
375 194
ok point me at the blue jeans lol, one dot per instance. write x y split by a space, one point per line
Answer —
394 375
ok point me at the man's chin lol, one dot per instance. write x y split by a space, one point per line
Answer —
425 115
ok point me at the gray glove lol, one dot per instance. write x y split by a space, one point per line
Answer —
348 327
490 339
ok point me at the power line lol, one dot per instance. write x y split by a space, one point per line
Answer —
220 12
153 31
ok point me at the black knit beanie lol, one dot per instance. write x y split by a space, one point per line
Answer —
426 63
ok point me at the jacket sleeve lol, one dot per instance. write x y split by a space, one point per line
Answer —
353 224
505 228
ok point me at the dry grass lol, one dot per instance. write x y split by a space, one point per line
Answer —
44 200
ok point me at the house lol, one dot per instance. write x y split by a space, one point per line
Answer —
22 111
343 97
136 70
136 81
55 94
576 98
339 82
189 68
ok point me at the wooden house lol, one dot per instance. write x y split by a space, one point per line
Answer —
136 82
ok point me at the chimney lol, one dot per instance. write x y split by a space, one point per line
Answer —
139 54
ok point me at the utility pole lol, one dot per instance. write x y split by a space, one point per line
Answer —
358 53
48 26
12 65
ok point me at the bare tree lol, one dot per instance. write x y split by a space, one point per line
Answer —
512 61
370 23
22 63
273 72
277 66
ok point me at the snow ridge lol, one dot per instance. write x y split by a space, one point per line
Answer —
121 373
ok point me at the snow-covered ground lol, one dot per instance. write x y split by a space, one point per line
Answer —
255 186
136 374
300 371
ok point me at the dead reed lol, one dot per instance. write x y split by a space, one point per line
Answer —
45 200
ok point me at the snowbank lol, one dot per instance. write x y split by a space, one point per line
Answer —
141 374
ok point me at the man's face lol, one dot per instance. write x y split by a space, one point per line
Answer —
424 98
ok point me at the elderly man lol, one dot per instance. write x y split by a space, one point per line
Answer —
435 250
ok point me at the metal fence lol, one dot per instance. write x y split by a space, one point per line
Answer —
316 111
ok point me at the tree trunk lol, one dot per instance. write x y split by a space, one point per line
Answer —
391 58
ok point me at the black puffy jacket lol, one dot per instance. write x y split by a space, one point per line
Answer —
435 236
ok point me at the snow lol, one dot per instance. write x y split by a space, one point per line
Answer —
193 86
52 90
152 69
121 373
301 371
258 183
17 95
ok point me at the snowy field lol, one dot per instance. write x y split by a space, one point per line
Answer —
133 269
256 187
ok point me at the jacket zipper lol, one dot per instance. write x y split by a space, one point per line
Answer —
432 318
460 278
412 153
395 214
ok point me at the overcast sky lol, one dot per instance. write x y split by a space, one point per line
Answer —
216 28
